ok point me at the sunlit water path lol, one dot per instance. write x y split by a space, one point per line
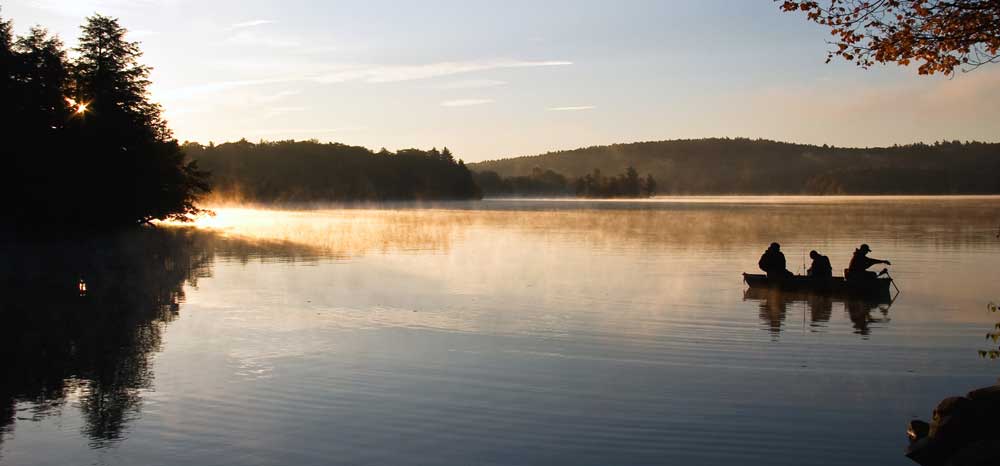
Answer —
494 332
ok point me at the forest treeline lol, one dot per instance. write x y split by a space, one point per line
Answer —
86 148
308 171
757 166
83 144
548 183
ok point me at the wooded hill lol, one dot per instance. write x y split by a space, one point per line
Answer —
307 171
756 166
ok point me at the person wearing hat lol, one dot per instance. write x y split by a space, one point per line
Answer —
772 262
860 262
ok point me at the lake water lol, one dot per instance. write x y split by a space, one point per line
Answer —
494 332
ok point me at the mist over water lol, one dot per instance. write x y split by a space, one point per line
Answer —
494 332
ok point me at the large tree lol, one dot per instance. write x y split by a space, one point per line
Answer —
42 78
941 35
8 92
85 147
33 79
139 172
7 59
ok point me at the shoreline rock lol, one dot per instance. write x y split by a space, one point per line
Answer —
964 431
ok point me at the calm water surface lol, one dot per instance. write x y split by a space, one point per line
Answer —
498 332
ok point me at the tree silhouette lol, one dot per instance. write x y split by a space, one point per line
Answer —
34 117
126 131
549 183
43 76
649 186
308 171
630 183
8 60
86 146
942 34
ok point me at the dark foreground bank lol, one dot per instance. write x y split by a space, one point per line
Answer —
963 431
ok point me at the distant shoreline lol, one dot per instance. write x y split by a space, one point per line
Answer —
680 199
761 197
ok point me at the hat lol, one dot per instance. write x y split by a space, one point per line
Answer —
775 245
864 247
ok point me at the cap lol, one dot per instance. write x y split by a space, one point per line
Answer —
864 247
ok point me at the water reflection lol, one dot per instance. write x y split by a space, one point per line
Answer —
774 305
689 223
340 233
80 319
551 330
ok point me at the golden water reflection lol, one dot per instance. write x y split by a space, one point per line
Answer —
676 223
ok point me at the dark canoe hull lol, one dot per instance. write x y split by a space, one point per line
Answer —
870 288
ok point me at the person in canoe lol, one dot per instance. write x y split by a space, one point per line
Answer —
858 269
820 268
772 262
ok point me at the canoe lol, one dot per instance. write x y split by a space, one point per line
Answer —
867 288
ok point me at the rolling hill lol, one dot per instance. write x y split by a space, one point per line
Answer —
756 166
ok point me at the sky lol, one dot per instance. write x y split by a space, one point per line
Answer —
493 79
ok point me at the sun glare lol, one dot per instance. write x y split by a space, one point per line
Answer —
80 107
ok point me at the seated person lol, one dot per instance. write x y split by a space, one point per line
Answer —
772 262
820 267
860 262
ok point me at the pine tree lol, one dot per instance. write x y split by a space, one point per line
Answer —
649 187
446 155
631 182
137 172
41 160
42 78
6 58
8 179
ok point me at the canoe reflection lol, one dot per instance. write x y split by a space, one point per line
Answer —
774 305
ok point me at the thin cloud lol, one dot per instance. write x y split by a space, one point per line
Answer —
576 108
362 73
275 97
277 111
465 102
398 73
251 38
172 112
197 90
473 84
250 24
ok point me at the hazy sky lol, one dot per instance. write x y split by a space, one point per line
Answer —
491 79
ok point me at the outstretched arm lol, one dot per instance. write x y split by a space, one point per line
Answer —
870 261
